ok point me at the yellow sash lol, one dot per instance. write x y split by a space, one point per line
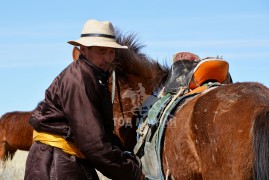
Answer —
59 142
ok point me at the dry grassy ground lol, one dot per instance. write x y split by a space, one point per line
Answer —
14 170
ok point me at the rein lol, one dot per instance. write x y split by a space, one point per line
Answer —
113 86
119 96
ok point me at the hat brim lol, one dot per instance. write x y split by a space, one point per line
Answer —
93 41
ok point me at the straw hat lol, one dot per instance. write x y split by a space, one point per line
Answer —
95 33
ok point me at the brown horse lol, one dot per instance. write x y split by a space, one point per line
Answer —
221 134
15 133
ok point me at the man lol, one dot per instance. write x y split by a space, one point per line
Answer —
74 123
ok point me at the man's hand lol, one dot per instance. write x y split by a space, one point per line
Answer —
130 155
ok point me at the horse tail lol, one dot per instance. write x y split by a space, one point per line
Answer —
6 151
2 138
261 145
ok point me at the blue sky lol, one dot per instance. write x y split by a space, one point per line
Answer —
33 36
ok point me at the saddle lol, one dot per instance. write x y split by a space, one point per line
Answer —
186 79
192 74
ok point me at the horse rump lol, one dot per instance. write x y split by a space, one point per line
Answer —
261 145
15 133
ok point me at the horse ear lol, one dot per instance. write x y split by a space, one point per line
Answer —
76 53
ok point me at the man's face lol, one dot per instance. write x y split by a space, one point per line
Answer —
102 57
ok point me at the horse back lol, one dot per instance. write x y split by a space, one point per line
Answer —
213 133
15 130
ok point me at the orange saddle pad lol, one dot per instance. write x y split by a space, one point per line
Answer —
210 70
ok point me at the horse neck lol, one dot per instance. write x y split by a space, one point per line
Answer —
132 94
149 74
129 93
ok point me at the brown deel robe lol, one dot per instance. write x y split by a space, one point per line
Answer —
78 106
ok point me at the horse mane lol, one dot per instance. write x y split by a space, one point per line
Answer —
134 62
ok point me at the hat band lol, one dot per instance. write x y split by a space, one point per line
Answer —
97 35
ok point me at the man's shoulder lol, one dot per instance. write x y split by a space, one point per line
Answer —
77 68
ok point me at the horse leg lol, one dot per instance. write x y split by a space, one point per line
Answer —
2 143
2 151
